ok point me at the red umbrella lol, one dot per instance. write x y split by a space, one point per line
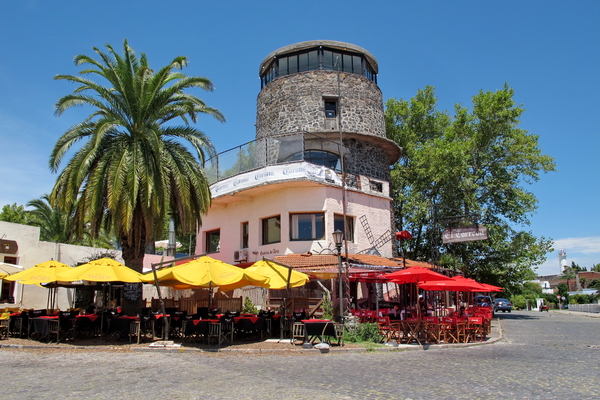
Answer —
472 282
452 285
492 288
413 275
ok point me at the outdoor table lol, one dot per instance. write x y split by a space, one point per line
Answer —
40 326
318 328
87 324
197 327
156 320
250 325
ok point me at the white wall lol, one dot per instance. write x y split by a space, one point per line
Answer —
283 201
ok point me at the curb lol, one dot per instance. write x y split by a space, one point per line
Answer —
497 336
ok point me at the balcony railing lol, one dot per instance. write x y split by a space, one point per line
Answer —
272 151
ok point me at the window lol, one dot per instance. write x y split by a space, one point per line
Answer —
330 109
271 230
338 223
213 241
307 226
323 158
317 59
245 234
376 186
7 292
10 260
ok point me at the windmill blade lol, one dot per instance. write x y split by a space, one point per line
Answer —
367 228
383 239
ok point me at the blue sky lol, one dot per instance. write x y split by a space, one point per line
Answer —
548 51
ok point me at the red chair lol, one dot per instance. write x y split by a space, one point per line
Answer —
475 329
412 330
370 315
448 330
433 333
389 331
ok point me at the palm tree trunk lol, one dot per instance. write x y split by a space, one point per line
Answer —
133 247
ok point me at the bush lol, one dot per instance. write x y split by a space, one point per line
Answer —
249 307
367 332
327 307
519 302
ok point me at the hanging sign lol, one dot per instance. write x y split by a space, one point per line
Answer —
465 234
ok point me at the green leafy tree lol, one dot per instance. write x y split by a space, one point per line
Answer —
132 166
575 267
465 169
15 213
595 268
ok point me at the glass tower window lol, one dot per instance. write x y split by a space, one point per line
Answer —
318 59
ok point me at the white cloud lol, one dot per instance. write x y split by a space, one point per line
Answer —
586 245
584 251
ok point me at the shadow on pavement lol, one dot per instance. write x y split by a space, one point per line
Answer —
516 316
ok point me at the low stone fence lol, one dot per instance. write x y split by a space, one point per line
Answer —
594 308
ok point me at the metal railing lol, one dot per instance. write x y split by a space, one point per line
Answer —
592 308
266 151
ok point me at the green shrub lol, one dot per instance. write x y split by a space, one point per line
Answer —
249 307
519 302
327 307
359 333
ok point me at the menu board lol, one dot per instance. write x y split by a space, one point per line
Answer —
132 291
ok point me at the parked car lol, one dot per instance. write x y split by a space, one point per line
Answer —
503 305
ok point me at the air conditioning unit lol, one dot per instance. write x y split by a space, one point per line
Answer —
240 255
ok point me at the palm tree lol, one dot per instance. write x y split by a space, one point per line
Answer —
57 226
132 167
54 224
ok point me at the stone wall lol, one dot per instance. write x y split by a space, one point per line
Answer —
366 159
295 103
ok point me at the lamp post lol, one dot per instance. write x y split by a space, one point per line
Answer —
337 239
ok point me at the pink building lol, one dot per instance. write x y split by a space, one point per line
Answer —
320 161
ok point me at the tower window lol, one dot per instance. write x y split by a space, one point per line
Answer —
330 109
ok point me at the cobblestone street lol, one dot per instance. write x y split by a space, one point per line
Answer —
543 356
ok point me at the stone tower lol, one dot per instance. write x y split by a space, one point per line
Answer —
329 89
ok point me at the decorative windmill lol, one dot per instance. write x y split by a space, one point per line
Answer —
375 243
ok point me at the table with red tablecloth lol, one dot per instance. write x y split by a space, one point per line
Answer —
248 326
318 328
40 326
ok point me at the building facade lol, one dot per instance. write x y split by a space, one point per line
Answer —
320 161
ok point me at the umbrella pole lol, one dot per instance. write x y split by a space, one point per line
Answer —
102 312
162 303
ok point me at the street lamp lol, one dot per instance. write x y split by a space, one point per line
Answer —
338 236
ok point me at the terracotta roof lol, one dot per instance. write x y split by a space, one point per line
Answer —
368 259
411 263
307 260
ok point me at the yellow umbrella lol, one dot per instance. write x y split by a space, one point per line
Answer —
102 270
3 275
279 274
40 273
206 272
